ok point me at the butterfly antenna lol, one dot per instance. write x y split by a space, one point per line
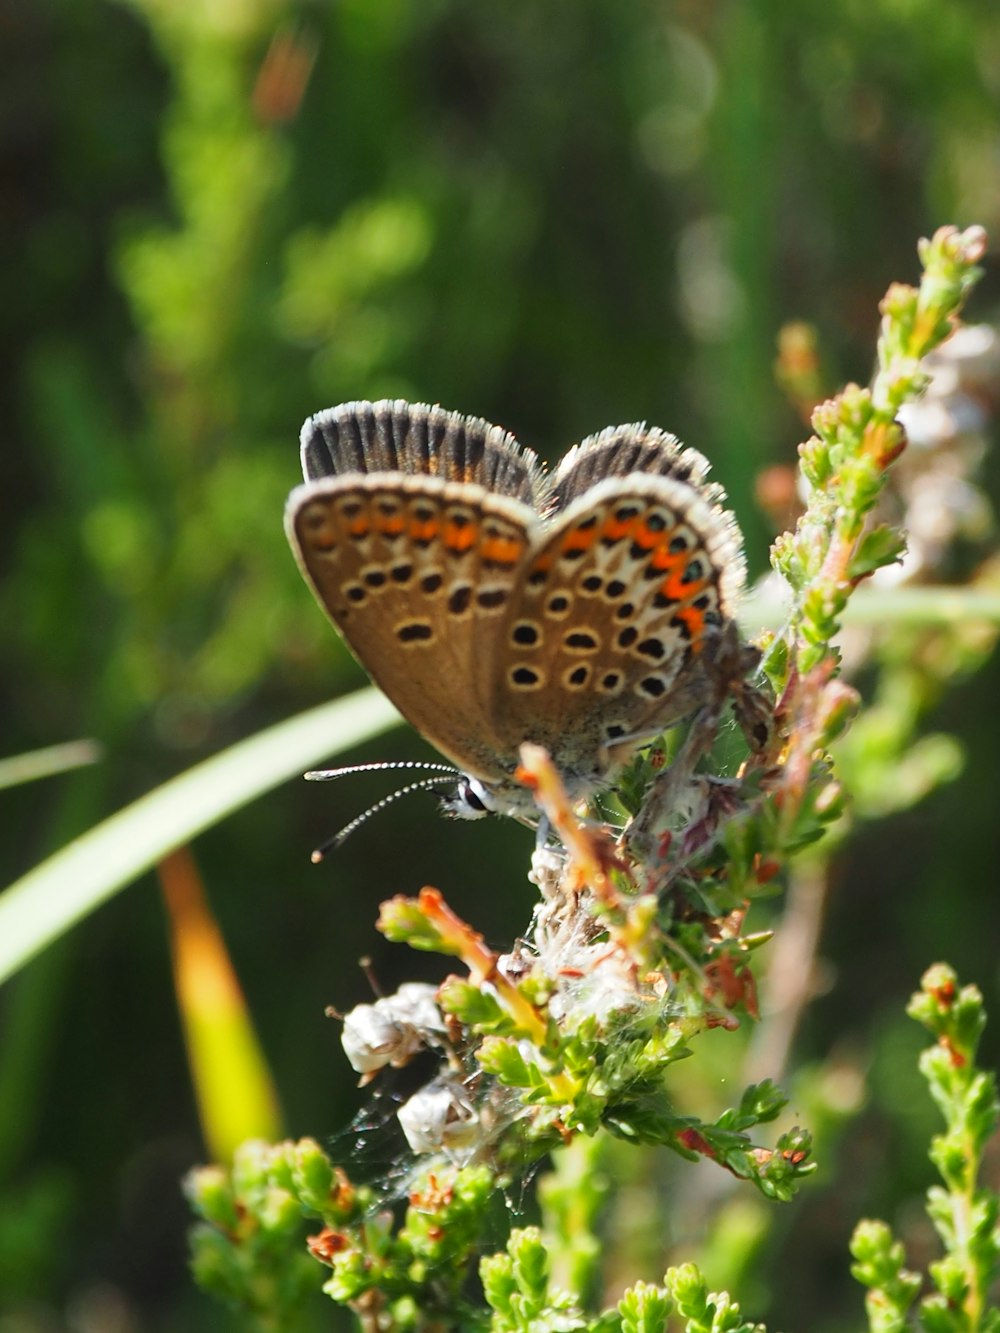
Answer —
340 838
328 774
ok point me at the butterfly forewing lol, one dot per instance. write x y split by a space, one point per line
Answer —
620 451
421 441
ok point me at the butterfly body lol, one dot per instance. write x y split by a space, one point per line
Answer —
495 605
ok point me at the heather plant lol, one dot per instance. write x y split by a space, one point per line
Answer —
221 217
638 949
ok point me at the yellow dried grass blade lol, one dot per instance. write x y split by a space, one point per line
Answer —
232 1083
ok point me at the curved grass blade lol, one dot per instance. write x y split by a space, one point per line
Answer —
71 883
44 763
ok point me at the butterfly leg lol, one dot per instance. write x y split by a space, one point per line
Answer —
727 664
672 788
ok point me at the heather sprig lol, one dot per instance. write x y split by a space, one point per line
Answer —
844 464
965 1212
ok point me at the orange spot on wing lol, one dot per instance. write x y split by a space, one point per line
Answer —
580 539
673 586
391 524
459 537
501 550
424 531
645 537
674 563
614 531
317 531
695 621
360 526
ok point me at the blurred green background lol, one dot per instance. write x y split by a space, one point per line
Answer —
219 218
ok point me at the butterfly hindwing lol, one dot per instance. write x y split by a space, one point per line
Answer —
617 603
417 574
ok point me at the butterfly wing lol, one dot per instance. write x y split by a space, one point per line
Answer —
624 589
414 438
417 574
625 451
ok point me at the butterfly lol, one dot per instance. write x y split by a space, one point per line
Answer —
496 603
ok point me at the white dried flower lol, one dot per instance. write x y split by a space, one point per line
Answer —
392 1030
441 1117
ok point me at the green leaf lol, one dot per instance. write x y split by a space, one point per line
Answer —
879 547
504 1059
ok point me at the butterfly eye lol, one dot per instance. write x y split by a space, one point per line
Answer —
469 800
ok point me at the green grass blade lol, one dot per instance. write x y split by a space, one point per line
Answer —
44 763
71 883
